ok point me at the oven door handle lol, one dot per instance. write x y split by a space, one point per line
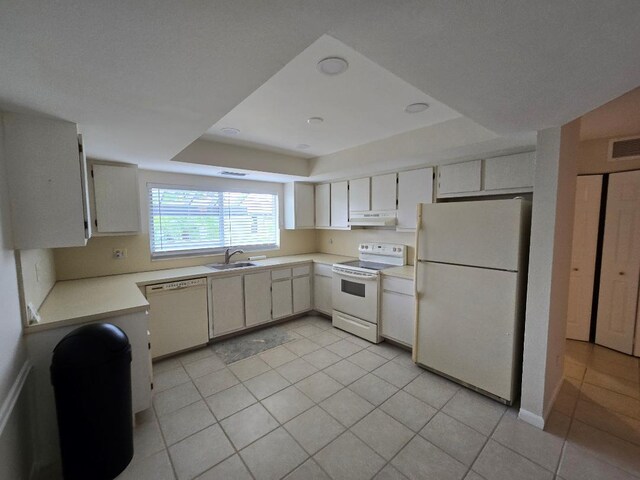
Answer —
359 276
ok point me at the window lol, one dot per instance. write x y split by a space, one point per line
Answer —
188 222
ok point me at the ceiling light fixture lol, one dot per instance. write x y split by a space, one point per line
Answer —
303 146
333 65
230 131
315 120
416 107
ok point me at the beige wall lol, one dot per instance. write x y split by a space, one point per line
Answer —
549 268
37 274
592 158
345 242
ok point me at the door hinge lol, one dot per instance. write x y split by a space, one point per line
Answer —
95 222
151 385
149 344
92 173
397 203
86 225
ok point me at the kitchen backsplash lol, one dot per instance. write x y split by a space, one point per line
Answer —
345 242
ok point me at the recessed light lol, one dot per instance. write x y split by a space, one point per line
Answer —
333 65
416 107
315 120
303 146
230 131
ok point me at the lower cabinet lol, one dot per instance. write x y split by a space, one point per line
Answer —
398 310
227 305
301 294
322 285
281 298
257 298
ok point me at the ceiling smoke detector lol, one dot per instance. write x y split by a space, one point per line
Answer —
416 107
315 120
332 65
230 131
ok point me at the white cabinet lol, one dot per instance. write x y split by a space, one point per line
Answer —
509 172
360 195
257 298
383 192
323 205
398 310
460 178
339 205
46 173
281 298
299 207
414 187
226 305
322 285
301 285
117 199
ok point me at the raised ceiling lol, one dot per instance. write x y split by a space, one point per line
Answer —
144 79
360 105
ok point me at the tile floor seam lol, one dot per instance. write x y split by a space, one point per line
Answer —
164 442
484 445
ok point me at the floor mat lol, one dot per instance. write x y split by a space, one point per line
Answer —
244 346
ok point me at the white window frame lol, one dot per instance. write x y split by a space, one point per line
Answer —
217 250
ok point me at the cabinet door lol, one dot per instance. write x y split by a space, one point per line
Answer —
398 312
115 189
383 192
339 204
618 299
46 180
360 195
301 294
257 298
583 256
298 205
414 187
227 305
459 178
510 171
322 294
281 298
323 205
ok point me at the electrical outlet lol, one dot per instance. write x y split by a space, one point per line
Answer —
119 253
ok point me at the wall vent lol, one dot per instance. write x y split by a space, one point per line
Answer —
233 174
624 149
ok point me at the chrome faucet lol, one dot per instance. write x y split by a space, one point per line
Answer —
227 255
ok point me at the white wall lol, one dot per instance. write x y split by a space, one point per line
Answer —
12 349
549 268
37 272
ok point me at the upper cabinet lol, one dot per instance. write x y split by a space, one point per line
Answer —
414 187
116 199
510 171
460 178
492 176
299 209
383 192
47 178
340 205
323 205
360 195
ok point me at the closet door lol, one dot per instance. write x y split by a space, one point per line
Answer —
583 256
618 298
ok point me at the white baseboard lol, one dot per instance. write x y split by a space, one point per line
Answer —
531 418
14 393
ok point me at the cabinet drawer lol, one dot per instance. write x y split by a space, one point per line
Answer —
366 330
280 274
323 270
398 285
302 270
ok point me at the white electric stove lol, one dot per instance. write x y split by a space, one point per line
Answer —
356 288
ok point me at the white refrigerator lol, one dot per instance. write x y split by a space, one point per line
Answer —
470 281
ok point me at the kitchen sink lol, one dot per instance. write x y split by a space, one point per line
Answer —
229 266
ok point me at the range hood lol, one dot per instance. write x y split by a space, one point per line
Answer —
386 218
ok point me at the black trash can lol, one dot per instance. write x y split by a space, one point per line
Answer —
91 377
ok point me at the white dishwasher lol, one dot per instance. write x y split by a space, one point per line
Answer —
179 316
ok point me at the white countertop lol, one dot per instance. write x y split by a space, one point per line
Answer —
400 272
76 301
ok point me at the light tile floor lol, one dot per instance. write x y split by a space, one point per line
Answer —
330 406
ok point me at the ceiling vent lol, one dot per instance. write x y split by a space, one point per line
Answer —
233 174
624 149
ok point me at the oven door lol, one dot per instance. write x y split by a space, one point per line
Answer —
356 293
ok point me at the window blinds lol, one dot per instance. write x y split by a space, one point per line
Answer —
187 221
